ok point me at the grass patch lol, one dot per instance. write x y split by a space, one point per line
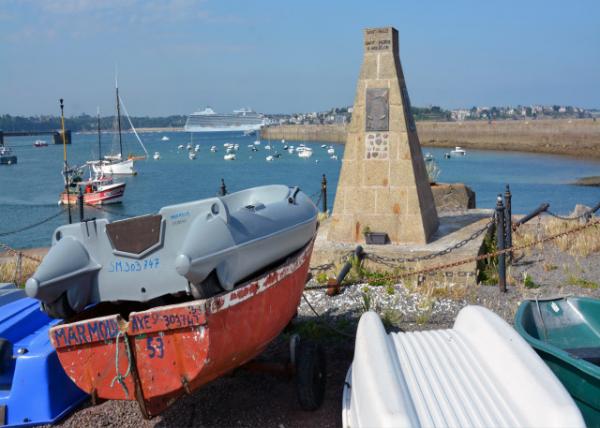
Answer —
487 269
7 271
582 282
528 281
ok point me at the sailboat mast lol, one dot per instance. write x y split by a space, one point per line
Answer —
119 122
99 138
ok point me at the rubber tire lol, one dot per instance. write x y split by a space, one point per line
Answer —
311 375
6 354
59 309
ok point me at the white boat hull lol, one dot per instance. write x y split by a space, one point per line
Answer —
125 167
479 373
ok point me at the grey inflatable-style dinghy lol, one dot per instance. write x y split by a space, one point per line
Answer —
198 248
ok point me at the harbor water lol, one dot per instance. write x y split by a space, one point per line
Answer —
29 190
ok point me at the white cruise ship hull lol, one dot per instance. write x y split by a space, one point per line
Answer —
236 128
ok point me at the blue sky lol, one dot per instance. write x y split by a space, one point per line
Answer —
175 56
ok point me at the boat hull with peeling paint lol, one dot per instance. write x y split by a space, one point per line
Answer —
159 354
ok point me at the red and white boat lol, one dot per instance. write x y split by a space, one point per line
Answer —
97 190
40 143
156 355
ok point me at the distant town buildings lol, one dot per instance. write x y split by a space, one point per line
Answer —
342 115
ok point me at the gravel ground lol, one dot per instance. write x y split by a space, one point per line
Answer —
247 399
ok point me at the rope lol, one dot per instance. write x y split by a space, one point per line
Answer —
121 377
14 252
465 261
31 226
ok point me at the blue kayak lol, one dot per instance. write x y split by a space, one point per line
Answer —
34 388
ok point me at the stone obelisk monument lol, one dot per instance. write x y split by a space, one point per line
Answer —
383 185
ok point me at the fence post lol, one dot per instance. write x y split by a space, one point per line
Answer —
324 192
508 220
500 244
223 189
80 203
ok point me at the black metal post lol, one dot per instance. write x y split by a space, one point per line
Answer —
80 203
324 193
66 168
508 219
500 228
223 189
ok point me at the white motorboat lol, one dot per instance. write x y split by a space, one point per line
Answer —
40 143
290 150
197 148
269 158
305 153
189 146
213 149
164 138
6 156
458 151
180 147
156 156
479 373
283 140
323 146
192 155
257 143
330 150
333 157
229 156
267 147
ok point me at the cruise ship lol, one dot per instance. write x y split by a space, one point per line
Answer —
209 121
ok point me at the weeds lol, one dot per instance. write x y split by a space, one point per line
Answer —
528 281
582 282
8 269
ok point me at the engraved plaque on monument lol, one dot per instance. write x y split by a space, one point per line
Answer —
377 110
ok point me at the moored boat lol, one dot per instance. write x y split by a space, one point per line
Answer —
194 248
6 156
565 332
478 373
35 389
40 143
458 151
161 353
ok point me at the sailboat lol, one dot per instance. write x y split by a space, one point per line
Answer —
115 164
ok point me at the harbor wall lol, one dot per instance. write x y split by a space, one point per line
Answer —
576 137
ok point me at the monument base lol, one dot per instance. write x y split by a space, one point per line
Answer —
454 228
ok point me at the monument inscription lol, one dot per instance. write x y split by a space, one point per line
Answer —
377 40
377 117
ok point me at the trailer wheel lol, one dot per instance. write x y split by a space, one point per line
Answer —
311 375
60 308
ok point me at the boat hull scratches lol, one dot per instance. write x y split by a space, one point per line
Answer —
176 349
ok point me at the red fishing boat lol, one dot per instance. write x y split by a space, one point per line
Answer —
155 355
97 189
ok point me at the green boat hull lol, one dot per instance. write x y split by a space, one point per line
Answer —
565 332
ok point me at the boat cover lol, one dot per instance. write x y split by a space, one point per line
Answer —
174 251
34 388
479 373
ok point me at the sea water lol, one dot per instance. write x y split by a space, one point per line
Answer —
29 190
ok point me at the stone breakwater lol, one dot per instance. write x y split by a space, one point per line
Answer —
576 137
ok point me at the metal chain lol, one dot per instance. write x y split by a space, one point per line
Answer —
14 252
31 226
586 214
394 261
420 272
